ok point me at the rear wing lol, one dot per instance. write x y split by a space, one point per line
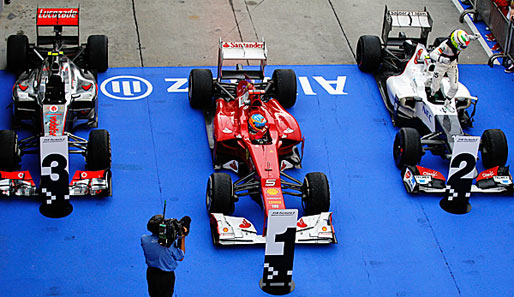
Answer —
58 18
245 51
406 19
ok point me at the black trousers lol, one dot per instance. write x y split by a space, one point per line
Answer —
160 283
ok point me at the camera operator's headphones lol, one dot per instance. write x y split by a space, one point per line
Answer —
153 223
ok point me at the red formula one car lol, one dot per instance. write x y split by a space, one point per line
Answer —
251 133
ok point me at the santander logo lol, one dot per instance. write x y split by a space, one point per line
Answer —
243 44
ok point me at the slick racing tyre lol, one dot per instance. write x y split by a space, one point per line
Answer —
219 195
494 149
284 81
98 154
407 147
9 151
97 53
369 53
200 88
17 53
316 193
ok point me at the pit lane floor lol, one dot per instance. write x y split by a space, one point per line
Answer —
390 243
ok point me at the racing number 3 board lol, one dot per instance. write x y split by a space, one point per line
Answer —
54 176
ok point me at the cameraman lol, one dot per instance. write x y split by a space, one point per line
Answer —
162 260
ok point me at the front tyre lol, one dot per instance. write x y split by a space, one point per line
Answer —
407 147
494 148
219 195
10 156
201 88
98 154
369 53
284 81
316 193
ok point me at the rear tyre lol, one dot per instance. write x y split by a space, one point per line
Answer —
219 195
17 53
9 151
98 154
284 81
494 148
407 147
369 53
97 53
201 88
316 193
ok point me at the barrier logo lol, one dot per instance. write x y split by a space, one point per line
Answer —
126 87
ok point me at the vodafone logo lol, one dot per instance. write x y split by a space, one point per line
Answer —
407 174
21 175
53 108
83 175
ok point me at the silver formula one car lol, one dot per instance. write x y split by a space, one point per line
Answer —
56 93
403 71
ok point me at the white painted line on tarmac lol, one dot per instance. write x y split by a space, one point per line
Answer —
470 23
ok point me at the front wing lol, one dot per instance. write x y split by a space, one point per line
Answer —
84 183
228 230
494 180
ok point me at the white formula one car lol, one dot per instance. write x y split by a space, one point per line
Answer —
403 71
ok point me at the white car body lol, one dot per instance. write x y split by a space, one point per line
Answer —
407 92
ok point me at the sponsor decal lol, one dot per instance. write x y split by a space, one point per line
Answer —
126 87
245 224
407 13
427 113
274 202
272 191
301 223
423 179
54 140
430 172
58 16
282 214
489 173
504 180
83 175
409 179
243 44
53 126
418 56
53 108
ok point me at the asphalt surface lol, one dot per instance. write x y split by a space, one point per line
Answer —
186 32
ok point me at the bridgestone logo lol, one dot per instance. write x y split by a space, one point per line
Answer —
61 14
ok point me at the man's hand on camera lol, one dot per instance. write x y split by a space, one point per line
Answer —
186 222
